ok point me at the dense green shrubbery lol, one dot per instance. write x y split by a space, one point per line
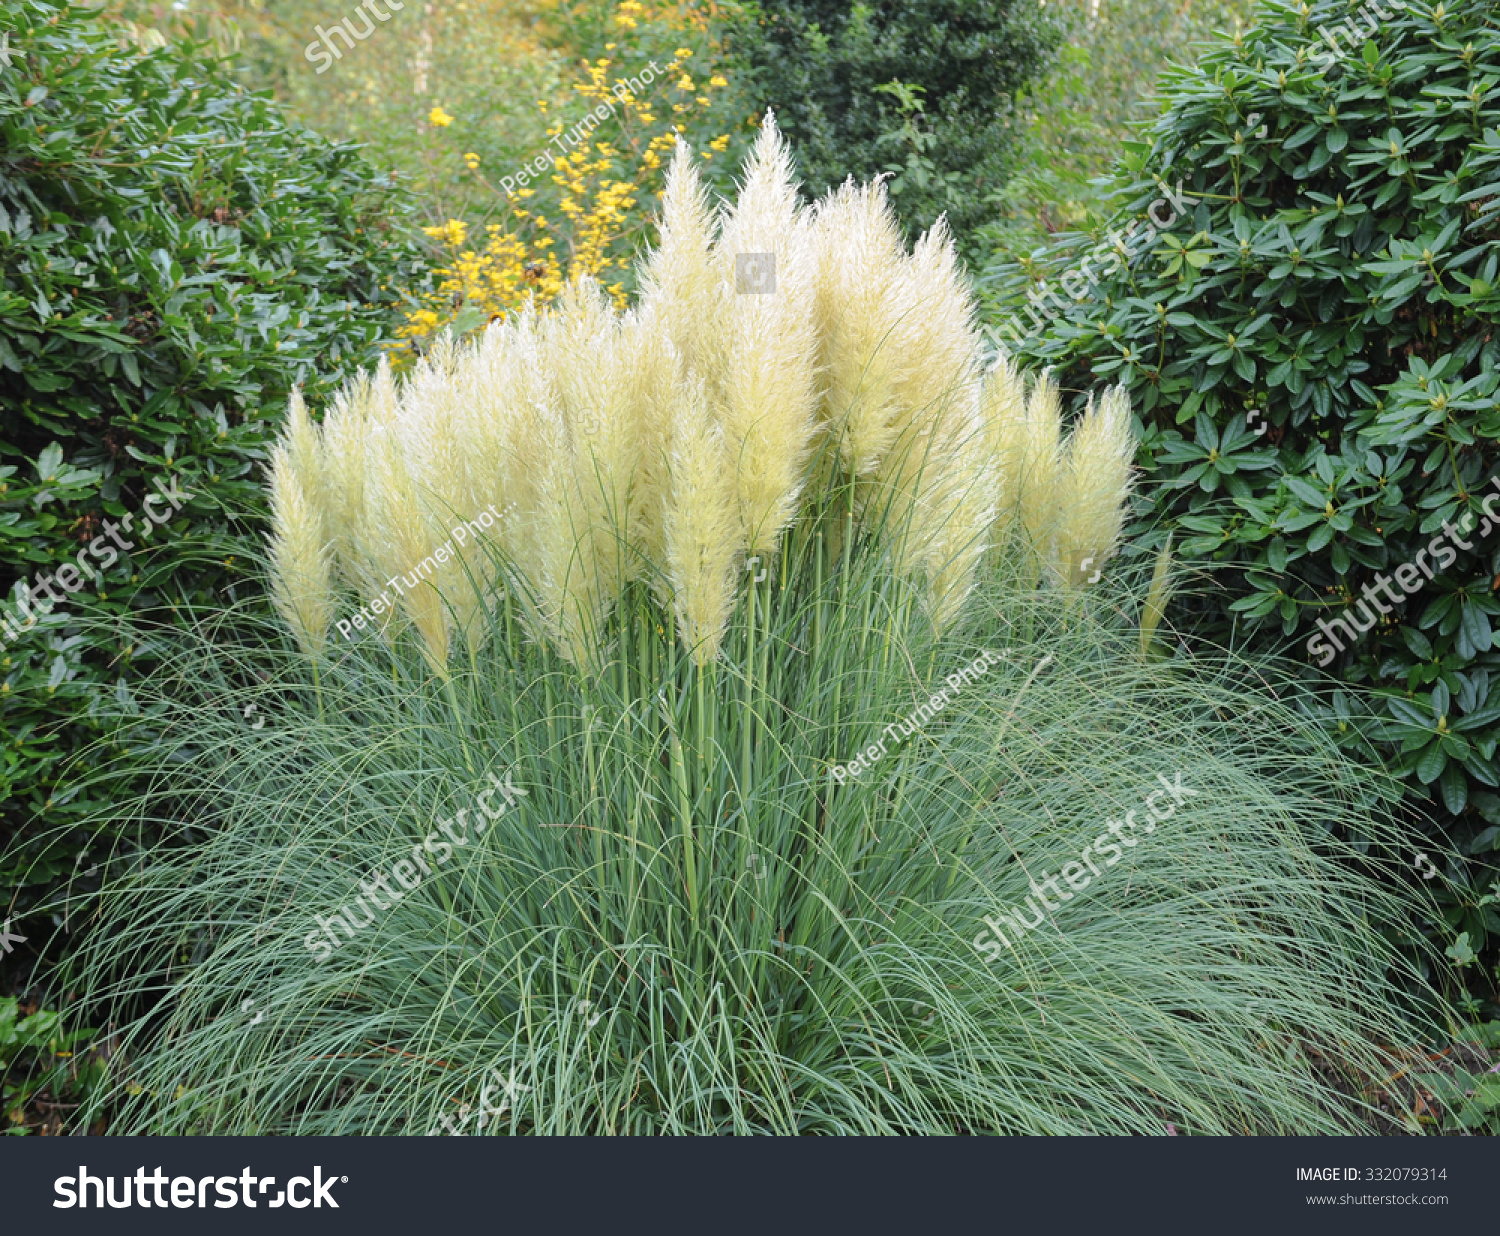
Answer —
827 67
174 257
1313 350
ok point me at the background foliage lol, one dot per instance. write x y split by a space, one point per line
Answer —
451 98
921 88
1313 351
175 255
1072 120
593 212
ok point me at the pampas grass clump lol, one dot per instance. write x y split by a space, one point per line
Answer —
685 799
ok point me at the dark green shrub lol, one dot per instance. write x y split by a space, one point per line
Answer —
174 256
827 67
1313 349
42 1067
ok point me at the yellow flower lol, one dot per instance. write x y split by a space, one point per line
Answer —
717 80
719 143
609 47
684 82
472 160
453 233
438 118
682 53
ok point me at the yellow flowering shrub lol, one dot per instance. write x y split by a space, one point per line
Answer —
589 213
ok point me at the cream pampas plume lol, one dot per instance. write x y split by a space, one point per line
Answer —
1038 464
482 415
766 396
936 484
678 280
650 363
367 553
1096 482
584 344
342 476
301 556
430 431
701 522
566 574
555 547
1002 411
666 443
860 304
937 333
952 520
397 541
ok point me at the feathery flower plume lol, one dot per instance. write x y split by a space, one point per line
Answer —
766 396
584 344
667 442
402 545
1096 481
860 304
954 515
938 332
678 279
431 434
651 365
701 522
1002 410
342 476
554 549
301 556
937 479
1036 481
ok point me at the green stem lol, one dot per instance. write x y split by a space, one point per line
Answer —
745 732
463 726
317 686
685 819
